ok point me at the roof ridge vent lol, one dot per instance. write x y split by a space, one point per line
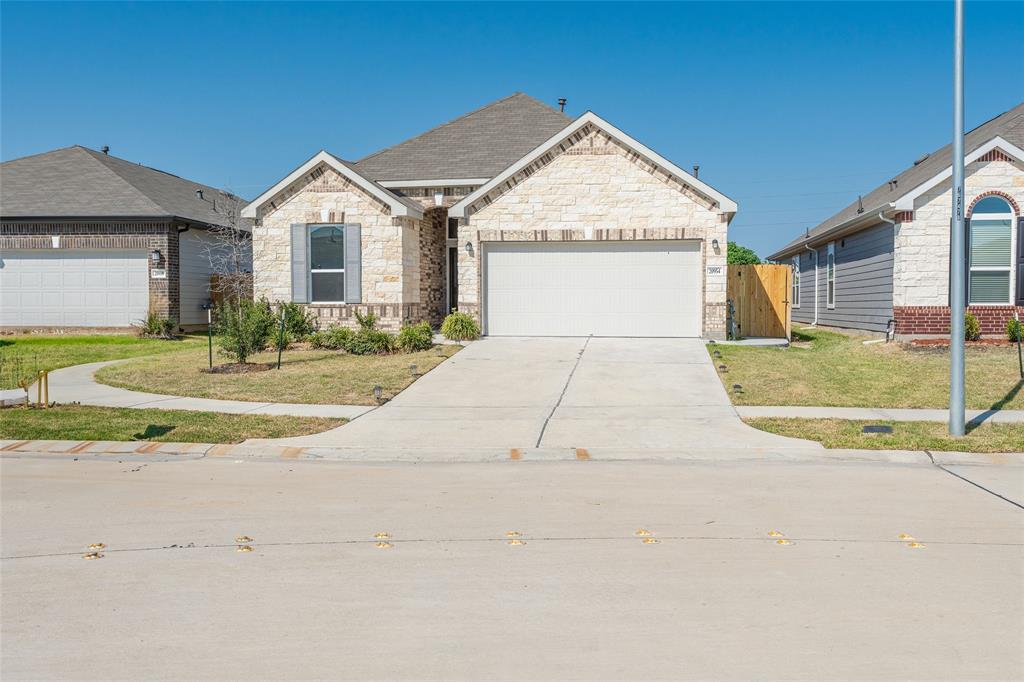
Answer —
921 159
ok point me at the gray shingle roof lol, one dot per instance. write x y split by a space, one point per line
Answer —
1008 125
479 144
355 169
80 182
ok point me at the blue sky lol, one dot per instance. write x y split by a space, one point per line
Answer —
790 108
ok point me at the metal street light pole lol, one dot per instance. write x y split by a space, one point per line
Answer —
957 243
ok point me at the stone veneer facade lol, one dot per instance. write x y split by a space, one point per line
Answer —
400 270
594 188
140 235
921 252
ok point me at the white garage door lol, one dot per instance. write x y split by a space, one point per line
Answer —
650 288
73 288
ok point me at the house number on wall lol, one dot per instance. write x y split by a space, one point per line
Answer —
158 273
714 269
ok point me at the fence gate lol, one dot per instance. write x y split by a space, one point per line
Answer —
759 295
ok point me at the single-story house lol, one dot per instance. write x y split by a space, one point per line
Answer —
533 222
882 263
91 240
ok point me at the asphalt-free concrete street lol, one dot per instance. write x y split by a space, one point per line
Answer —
710 593
560 393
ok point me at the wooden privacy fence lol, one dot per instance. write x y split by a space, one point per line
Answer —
759 300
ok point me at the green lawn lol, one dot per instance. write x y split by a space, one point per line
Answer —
839 370
306 376
25 354
843 433
80 422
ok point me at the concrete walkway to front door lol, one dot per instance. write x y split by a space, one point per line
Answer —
594 394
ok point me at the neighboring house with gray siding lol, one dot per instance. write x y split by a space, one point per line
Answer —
91 240
883 261
861 289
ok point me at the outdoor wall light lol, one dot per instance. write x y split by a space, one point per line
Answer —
714 244
469 248
154 256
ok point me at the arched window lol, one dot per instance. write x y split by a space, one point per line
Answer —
990 254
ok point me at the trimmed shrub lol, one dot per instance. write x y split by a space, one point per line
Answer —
319 340
972 328
299 323
412 338
1014 330
335 338
244 328
460 327
367 322
371 342
156 327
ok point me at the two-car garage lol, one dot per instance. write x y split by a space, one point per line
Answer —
73 288
600 288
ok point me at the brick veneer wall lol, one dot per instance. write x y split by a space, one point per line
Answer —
136 235
915 320
433 253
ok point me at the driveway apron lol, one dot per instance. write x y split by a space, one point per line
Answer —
504 393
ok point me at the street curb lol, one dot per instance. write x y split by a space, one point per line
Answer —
257 450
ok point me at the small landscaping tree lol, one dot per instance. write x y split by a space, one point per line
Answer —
243 328
741 255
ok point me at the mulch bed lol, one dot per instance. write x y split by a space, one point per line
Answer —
239 368
979 342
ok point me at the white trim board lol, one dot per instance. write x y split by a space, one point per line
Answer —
398 207
726 205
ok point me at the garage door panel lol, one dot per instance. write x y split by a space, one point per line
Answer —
73 288
600 288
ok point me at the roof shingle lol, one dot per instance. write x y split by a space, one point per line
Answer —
83 183
479 144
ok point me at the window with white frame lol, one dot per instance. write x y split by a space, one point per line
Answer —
327 263
990 252
796 281
830 276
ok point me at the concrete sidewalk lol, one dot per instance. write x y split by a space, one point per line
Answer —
878 413
76 385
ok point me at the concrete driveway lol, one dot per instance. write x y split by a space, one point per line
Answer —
597 393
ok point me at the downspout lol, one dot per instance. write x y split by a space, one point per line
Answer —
815 252
890 326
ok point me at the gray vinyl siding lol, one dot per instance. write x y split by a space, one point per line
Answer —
195 271
863 282
194 247
805 312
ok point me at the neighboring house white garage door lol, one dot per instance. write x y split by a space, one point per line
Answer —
73 288
644 288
